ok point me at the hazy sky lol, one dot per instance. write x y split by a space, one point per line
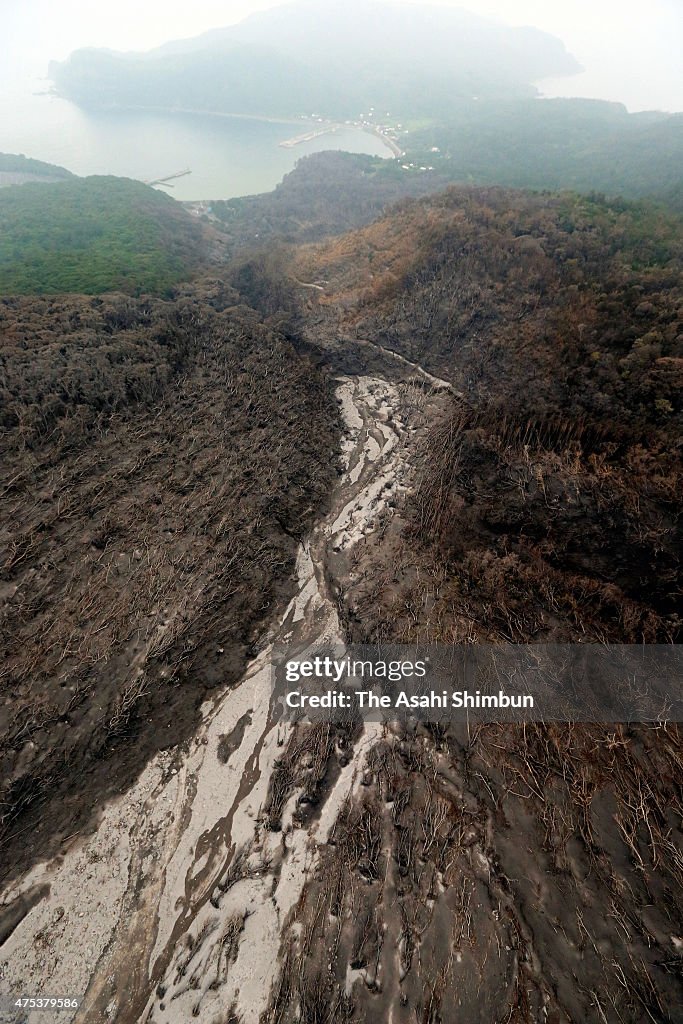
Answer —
631 49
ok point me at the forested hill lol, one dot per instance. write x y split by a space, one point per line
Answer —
16 169
550 496
332 192
586 145
326 194
338 59
92 235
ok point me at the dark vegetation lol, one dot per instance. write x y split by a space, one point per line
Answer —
158 471
548 496
495 872
513 874
93 235
326 194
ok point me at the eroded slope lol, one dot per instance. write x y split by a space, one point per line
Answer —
158 472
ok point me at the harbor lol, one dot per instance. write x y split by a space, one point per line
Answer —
330 127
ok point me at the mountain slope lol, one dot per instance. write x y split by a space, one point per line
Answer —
546 495
326 194
486 871
154 489
179 508
19 170
336 59
587 145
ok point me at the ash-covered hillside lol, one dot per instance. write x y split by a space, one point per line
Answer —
155 484
496 872
458 423
549 492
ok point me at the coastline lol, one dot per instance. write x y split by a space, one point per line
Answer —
390 143
314 133
316 128
145 109
330 127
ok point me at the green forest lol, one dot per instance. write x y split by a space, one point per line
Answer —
93 235
19 164
583 145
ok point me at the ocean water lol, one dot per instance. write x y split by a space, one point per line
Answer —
228 156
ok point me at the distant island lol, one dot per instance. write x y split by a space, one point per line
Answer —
395 60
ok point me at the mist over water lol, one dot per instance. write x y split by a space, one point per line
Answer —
227 156
232 157
630 50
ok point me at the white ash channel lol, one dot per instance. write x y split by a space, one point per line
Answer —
129 914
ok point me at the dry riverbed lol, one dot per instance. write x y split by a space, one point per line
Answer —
175 907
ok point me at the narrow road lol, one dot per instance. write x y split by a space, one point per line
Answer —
437 382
